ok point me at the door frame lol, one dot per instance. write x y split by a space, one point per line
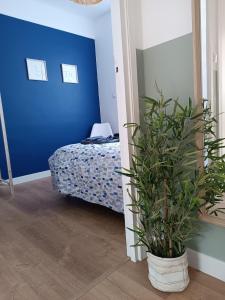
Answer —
127 104
196 12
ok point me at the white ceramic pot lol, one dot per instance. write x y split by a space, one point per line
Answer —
168 274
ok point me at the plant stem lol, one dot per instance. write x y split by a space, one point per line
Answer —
166 215
170 247
166 209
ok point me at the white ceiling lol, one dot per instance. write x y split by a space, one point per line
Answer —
89 11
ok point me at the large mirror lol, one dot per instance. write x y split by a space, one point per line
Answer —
166 57
212 37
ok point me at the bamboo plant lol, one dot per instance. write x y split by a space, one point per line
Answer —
172 187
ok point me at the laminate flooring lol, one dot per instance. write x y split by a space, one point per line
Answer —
57 248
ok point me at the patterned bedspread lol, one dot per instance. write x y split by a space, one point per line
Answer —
89 172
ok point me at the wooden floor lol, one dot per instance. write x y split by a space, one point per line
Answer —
52 248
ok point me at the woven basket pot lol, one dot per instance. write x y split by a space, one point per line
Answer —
168 274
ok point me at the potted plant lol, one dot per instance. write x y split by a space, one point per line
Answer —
173 188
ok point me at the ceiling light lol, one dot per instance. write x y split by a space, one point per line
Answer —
87 2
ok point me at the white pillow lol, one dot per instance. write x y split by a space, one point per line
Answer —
101 129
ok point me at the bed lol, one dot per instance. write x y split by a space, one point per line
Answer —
89 172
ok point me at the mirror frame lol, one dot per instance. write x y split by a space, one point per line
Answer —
196 26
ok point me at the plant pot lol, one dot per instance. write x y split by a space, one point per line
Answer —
168 274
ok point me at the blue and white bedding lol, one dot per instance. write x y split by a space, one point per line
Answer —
89 172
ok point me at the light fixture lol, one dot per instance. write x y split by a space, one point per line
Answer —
87 2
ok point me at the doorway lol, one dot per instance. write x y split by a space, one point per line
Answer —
124 32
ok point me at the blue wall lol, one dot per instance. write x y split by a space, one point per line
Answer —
43 116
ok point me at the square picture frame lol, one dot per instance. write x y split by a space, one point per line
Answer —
69 73
36 69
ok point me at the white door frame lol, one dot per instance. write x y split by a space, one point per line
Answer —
127 102
221 66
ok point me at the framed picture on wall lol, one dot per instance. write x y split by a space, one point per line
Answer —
69 73
36 69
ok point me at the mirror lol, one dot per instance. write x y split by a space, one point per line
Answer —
212 32
166 56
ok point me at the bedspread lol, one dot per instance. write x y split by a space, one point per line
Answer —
89 172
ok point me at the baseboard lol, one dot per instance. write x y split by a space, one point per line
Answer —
31 177
207 264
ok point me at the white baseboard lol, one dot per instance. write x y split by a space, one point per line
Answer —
31 177
207 264
204 263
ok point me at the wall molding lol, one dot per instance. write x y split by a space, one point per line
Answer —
206 264
31 177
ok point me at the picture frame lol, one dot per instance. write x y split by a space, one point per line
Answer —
69 73
36 69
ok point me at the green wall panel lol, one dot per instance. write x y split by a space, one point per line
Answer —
211 241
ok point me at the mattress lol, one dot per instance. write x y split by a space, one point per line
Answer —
89 172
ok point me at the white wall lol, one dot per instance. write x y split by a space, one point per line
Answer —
46 13
164 20
106 71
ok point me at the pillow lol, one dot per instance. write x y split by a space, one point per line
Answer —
101 129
